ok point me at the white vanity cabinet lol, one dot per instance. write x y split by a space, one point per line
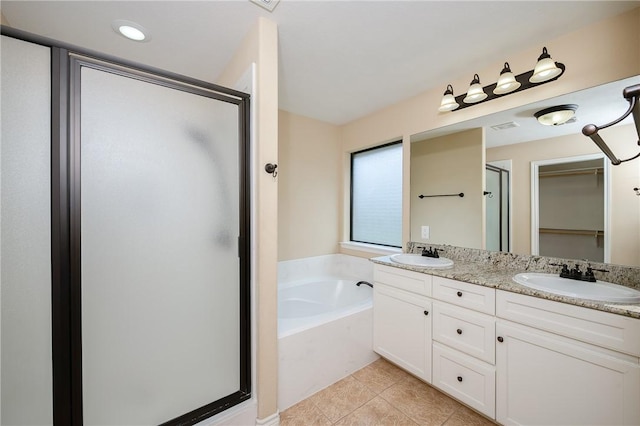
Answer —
553 368
464 342
402 319
519 359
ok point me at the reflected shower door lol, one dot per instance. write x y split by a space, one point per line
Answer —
497 208
159 222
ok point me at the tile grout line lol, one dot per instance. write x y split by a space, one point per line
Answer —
395 382
365 403
376 394
398 408
350 412
451 415
379 394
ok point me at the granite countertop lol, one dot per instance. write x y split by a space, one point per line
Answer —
499 276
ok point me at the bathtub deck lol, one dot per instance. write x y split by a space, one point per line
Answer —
380 394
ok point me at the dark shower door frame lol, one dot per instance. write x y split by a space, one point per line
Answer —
65 220
503 211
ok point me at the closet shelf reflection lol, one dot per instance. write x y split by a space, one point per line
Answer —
590 232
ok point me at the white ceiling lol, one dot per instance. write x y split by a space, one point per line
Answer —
338 60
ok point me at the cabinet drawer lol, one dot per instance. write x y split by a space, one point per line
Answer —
470 332
465 378
403 279
604 329
476 297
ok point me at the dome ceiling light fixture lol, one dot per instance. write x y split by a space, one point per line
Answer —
131 30
545 71
556 115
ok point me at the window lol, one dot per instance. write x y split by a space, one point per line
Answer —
376 195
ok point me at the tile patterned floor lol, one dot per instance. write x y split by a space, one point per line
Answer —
380 394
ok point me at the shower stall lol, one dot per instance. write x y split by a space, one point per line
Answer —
497 208
125 230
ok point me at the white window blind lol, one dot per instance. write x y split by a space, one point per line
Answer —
376 195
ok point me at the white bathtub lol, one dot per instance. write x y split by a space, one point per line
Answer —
317 301
324 323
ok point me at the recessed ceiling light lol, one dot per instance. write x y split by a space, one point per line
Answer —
131 30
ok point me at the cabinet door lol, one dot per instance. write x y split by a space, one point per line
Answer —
545 379
402 329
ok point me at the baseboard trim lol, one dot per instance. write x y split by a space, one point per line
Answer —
243 414
272 420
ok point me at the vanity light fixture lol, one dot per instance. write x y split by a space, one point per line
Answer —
476 91
131 30
556 115
448 102
546 70
507 82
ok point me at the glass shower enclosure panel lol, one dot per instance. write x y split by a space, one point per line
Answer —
497 209
159 249
25 234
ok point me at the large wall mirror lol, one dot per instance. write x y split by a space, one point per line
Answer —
491 160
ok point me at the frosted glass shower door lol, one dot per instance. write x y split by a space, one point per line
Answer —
493 210
497 209
25 234
159 173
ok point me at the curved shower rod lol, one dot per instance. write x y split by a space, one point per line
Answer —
631 94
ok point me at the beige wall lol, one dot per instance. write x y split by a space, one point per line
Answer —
309 176
587 53
260 46
625 205
3 20
614 41
449 165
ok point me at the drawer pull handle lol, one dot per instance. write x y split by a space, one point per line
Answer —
459 378
459 294
426 312
500 339
459 331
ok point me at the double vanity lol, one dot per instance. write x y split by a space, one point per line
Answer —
521 351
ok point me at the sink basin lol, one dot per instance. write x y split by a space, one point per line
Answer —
601 291
422 261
